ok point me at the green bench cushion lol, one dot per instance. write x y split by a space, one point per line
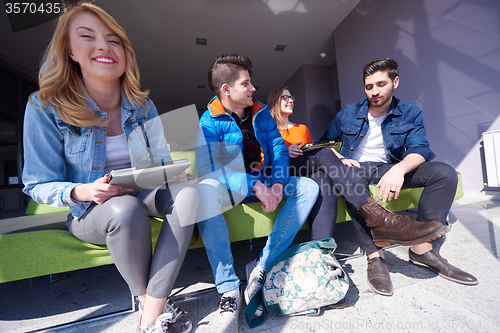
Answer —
41 252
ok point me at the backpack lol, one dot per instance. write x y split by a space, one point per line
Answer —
301 280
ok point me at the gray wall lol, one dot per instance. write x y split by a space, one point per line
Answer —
297 87
316 89
449 57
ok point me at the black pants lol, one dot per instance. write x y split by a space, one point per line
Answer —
440 184
333 178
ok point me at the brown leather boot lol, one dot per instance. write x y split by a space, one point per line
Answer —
390 228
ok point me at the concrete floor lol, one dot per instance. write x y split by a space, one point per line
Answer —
422 301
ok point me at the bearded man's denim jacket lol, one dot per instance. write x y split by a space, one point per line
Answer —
403 130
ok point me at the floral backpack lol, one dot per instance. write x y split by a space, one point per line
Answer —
301 280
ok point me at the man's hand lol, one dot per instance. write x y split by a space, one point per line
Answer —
390 184
277 190
270 197
349 162
294 150
99 191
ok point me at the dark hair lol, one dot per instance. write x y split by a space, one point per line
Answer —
226 69
385 64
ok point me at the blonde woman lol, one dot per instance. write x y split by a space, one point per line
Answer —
88 118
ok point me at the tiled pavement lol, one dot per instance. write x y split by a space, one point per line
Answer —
422 301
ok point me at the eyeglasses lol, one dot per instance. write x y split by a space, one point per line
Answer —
287 98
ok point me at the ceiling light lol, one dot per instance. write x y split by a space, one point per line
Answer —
280 47
323 55
201 41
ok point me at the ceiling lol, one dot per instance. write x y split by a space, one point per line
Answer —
163 34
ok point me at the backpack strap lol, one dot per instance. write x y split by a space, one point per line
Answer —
251 308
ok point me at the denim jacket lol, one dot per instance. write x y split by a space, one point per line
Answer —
58 156
403 130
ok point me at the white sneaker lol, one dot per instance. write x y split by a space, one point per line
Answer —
255 279
179 322
160 325
226 317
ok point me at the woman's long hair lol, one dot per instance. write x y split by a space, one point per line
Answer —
274 102
60 78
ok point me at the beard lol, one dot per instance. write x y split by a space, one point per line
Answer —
384 100
380 101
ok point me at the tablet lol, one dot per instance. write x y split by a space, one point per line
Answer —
149 176
317 145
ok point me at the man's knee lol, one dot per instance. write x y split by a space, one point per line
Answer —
188 195
302 186
443 171
210 193
209 190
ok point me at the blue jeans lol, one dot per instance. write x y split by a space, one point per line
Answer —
300 195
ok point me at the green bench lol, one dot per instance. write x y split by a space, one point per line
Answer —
39 244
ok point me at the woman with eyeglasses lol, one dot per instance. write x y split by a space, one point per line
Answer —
323 165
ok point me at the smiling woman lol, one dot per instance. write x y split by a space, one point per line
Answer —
90 117
97 50
58 68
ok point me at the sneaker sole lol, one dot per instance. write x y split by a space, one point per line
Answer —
389 242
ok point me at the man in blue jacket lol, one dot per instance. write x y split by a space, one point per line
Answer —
240 156
385 138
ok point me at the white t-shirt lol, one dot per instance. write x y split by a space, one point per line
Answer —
117 155
372 148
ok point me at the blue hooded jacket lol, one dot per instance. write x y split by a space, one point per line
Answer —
220 145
